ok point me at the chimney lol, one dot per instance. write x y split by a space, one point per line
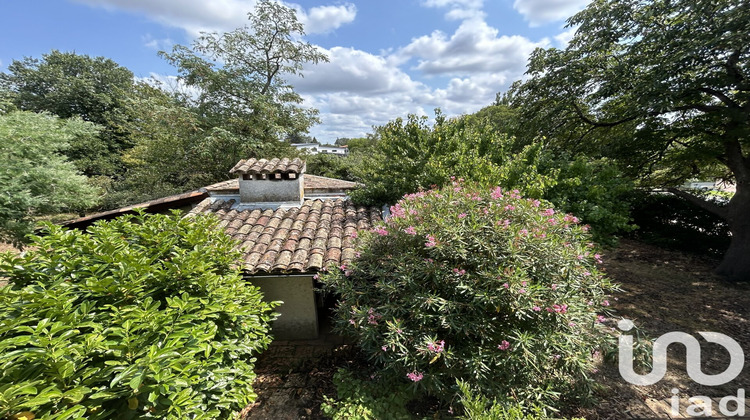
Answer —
272 182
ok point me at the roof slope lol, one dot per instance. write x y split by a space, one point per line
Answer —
312 182
295 240
264 166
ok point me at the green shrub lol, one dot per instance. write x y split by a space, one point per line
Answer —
367 399
672 222
479 285
411 155
143 317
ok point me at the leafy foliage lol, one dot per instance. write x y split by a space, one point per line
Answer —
410 155
240 74
478 285
68 85
672 222
371 399
35 178
661 86
141 317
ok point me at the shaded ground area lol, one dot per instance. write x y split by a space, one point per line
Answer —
667 291
294 376
663 291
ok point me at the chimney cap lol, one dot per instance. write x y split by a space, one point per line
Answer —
264 166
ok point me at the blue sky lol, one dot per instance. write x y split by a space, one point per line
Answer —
388 58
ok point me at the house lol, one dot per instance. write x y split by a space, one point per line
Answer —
315 148
289 225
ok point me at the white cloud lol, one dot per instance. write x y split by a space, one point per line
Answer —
195 16
324 19
458 9
475 47
538 12
354 71
564 38
163 44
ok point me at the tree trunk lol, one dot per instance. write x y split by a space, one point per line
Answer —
736 263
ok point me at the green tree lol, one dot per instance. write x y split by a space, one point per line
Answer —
664 87
144 316
411 155
35 178
240 75
68 85
173 152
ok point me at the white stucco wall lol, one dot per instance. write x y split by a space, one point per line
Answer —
299 316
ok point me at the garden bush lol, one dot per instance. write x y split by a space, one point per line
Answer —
478 285
672 222
144 316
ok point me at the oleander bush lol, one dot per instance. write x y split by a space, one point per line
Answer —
144 316
479 285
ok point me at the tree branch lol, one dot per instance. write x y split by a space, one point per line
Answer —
589 121
721 96
705 205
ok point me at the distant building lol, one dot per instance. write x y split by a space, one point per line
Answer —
315 148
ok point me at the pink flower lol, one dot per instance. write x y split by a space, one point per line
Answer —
415 376
605 303
556 357
506 285
548 212
397 211
430 241
384 348
571 324
351 321
399 330
598 258
536 308
524 283
523 232
354 235
586 273
459 272
437 346
410 230
380 231
462 215
522 291
497 193
504 345
600 319
554 286
552 221
347 273
560 309
510 207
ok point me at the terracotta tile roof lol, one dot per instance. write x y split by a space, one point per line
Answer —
315 182
293 240
264 166
312 182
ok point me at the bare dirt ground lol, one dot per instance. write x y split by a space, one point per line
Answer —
667 291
